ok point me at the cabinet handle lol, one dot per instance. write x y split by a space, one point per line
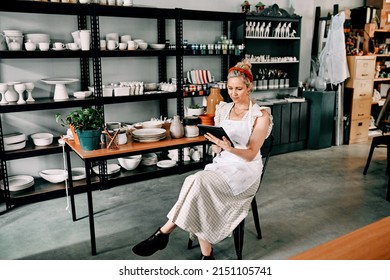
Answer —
359 115
364 74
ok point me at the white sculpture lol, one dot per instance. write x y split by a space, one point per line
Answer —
292 34
287 31
283 29
267 29
277 30
253 29
248 28
257 29
262 27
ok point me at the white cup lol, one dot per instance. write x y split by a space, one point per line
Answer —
44 46
30 46
143 45
139 41
112 36
73 46
85 40
122 46
112 45
103 2
84 1
103 45
111 2
119 2
132 45
125 38
59 46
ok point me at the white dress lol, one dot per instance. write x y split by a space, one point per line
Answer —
212 202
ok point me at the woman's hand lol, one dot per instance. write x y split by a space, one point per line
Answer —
223 144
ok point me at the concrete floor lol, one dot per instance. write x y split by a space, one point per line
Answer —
307 198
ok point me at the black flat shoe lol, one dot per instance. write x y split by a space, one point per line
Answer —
211 257
148 247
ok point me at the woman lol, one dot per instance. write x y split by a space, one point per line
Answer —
212 202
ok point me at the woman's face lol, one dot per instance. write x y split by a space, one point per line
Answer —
238 90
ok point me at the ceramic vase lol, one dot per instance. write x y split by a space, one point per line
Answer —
177 128
213 99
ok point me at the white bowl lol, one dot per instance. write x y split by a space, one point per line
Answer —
54 175
13 138
42 139
37 38
130 162
15 146
152 124
82 94
157 46
150 86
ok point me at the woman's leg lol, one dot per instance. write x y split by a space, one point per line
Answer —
168 227
207 250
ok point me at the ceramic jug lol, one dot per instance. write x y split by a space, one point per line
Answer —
176 129
213 99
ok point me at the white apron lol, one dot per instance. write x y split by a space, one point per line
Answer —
238 173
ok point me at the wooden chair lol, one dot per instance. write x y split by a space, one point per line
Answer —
383 123
238 232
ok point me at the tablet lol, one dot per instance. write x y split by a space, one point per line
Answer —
214 130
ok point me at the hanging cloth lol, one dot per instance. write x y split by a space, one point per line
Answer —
333 61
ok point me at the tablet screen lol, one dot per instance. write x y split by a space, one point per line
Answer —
214 130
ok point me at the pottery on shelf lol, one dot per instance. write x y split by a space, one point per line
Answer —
176 129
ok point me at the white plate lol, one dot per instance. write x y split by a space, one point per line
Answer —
149 132
166 163
111 168
54 81
19 182
58 49
78 173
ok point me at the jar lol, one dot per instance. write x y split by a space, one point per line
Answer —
176 129
213 99
191 126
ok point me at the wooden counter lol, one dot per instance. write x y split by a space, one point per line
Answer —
371 242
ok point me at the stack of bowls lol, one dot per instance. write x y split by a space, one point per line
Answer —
149 159
37 38
13 36
207 119
14 141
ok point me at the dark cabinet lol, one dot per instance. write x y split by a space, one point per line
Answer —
321 124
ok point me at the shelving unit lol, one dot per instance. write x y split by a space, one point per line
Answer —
89 17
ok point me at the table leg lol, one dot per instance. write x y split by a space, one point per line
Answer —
90 207
70 184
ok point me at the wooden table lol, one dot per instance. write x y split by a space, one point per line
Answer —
371 242
131 148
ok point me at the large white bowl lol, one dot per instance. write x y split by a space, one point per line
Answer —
152 124
54 175
157 46
130 162
42 139
37 38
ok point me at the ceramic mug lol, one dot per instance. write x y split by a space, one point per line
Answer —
132 45
44 46
85 40
30 46
103 45
58 46
112 45
112 36
122 46
125 38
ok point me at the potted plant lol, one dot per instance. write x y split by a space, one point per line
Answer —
87 123
194 110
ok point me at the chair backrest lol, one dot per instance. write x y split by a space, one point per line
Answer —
266 150
384 115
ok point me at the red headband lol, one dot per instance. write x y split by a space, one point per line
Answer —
247 73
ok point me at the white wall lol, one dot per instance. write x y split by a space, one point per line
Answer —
144 69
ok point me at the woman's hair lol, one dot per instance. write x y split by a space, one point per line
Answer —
242 69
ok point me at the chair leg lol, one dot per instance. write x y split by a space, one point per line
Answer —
238 234
373 145
256 218
189 244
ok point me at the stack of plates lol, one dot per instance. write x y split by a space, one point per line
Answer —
14 141
111 169
149 159
149 134
199 77
19 182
